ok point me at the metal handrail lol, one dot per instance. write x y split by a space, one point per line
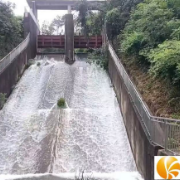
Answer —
4 62
164 132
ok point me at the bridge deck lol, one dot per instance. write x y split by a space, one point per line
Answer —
62 4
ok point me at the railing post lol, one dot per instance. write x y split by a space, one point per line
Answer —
43 41
10 56
19 49
79 40
96 41
166 135
51 41
60 41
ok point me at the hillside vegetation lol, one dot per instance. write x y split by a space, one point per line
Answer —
150 41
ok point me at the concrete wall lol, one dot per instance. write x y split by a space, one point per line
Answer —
143 150
13 72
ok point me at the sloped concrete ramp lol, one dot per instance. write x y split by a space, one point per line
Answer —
37 137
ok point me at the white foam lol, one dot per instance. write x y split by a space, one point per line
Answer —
35 137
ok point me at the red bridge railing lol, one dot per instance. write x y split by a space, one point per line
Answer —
46 41
90 42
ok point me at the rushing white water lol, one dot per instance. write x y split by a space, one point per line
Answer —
37 137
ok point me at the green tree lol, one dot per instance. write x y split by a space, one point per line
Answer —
94 24
114 23
47 28
11 28
117 15
150 24
53 28
83 13
57 24
91 22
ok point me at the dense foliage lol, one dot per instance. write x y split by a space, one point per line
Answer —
91 22
117 15
11 29
152 35
165 60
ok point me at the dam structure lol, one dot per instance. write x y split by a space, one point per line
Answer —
104 132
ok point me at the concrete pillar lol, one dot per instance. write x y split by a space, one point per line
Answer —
34 9
26 23
69 9
69 39
30 27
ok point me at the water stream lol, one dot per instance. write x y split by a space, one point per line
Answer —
38 137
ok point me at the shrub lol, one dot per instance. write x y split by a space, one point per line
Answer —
2 100
133 42
81 50
99 57
38 64
165 61
61 103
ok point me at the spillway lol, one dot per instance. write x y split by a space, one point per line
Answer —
89 135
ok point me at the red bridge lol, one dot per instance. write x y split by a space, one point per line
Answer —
45 41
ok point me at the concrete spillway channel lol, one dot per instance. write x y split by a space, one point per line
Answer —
89 135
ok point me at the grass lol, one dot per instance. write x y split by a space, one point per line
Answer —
81 50
162 98
52 50
176 115
61 103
